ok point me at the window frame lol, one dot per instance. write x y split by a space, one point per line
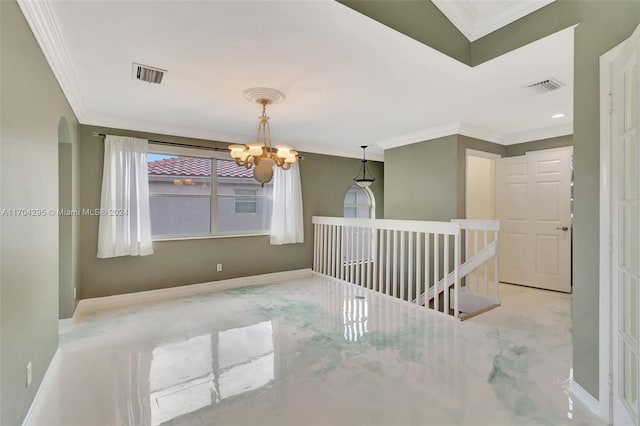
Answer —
371 204
213 194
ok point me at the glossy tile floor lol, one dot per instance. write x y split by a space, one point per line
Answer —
316 352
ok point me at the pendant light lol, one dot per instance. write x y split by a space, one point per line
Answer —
364 178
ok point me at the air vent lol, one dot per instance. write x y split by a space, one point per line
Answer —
546 86
148 74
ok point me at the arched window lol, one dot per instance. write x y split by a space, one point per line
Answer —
359 203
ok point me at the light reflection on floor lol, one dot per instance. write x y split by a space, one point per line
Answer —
316 352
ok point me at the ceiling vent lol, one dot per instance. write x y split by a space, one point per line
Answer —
148 74
546 86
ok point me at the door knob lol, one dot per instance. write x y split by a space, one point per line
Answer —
564 228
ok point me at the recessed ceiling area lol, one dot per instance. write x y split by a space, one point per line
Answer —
348 80
477 18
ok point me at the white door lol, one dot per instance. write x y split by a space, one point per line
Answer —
625 232
533 197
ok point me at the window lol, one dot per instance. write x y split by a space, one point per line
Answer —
357 244
197 196
358 203
246 201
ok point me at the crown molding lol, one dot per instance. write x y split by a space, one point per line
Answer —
474 25
477 132
538 134
42 21
187 132
420 136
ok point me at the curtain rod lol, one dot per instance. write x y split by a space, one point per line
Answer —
211 148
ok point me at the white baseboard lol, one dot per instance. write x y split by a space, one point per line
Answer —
100 303
45 385
586 399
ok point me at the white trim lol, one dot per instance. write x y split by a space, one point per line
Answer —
43 24
474 25
475 153
46 386
420 136
472 131
538 134
585 397
477 132
604 329
99 303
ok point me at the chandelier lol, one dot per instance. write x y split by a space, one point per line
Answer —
261 154
364 177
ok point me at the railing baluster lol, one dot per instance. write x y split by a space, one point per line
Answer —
467 281
331 249
495 267
380 245
374 256
402 264
410 269
445 287
436 271
356 244
351 256
339 242
388 264
427 266
456 276
395 263
369 246
485 268
315 247
475 251
418 267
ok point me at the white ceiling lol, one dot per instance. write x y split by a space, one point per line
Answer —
349 80
477 18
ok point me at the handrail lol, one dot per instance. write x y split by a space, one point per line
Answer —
450 228
479 225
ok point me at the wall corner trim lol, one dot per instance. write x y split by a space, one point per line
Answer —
99 303
45 386
42 21
586 398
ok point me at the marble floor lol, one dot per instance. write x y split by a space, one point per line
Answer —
315 352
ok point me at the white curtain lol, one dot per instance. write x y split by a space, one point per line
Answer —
125 223
286 217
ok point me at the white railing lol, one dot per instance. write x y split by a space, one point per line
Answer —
480 257
404 259
400 258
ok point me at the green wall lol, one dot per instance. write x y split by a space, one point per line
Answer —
421 180
31 108
325 180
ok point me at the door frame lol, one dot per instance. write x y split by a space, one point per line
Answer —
603 405
474 153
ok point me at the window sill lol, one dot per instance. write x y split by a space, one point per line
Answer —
206 237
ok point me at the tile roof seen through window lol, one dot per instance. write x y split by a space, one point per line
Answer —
194 166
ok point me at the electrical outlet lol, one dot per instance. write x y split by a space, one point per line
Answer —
75 293
29 374
219 267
